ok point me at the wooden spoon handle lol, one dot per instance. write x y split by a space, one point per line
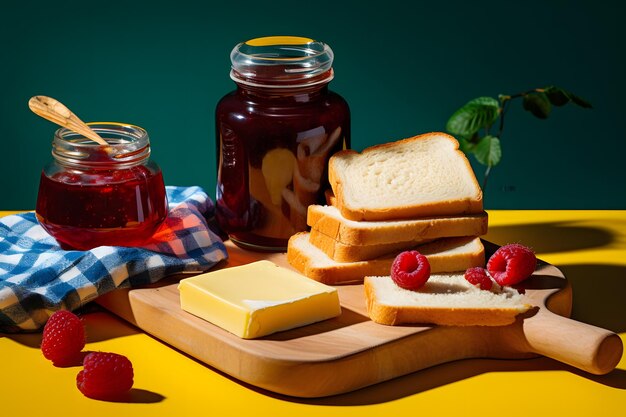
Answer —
56 112
584 346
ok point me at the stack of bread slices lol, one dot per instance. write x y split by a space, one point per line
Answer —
418 194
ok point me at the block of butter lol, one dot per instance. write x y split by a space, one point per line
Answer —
258 299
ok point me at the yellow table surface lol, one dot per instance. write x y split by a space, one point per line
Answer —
588 246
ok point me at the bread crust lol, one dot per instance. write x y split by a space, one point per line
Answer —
443 315
340 273
332 273
440 208
342 252
389 232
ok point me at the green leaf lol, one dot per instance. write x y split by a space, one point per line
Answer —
466 145
476 114
579 101
560 96
485 101
488 151
538 104
556 95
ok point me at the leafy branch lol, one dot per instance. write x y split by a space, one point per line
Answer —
472 124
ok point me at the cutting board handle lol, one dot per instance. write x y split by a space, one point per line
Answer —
582 345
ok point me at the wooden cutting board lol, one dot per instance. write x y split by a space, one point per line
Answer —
351 352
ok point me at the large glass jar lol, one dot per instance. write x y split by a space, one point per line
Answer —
94 195
275 134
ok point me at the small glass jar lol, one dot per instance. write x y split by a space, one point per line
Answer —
94 195
274 136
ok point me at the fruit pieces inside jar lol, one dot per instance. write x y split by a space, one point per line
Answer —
273 153
293 180
104 207
282 188
312 153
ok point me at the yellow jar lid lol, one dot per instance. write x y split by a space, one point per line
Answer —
279 40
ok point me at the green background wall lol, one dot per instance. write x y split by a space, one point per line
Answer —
404 67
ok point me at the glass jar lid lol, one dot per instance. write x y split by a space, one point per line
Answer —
281 62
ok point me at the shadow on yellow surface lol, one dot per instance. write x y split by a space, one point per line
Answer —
552 237
99 326
598 288
450 373
138 396
144 396
598 294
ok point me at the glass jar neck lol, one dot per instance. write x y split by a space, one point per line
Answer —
128 146
300 94
281 62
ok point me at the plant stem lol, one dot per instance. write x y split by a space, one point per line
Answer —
486 177
525 93
505 103
504 100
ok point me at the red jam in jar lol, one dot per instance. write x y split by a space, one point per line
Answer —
93 195
275 134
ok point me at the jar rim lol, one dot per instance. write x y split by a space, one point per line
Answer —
133 132
281 62
128 145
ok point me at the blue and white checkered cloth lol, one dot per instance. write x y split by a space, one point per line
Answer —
37 277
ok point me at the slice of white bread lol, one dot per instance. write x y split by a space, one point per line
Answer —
444 255
329 221
342 252
426 175
445 299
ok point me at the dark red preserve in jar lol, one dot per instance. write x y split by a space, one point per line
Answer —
275 134
93 195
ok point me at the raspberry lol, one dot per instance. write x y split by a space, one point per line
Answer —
63 338
478 276
106 376
410 270
512 264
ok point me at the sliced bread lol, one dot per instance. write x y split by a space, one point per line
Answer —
329 221
426 175
445 299
444 255
342 252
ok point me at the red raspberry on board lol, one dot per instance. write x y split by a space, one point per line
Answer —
105 376
478 277
63 338
410 270
512 264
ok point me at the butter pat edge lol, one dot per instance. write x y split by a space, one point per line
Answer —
241 318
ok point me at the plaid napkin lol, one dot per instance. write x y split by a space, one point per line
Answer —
37 277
